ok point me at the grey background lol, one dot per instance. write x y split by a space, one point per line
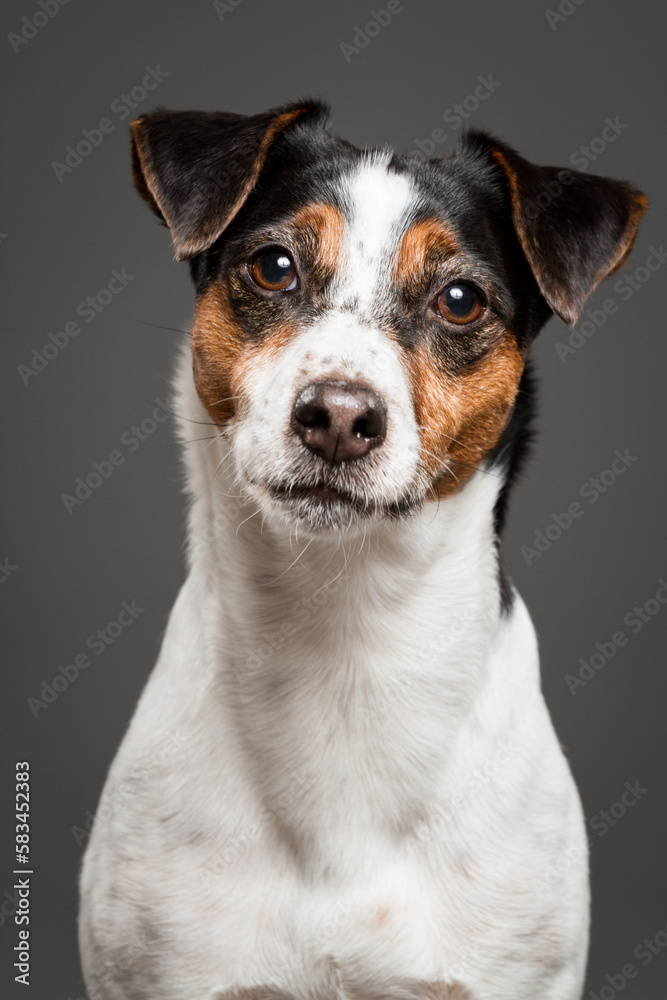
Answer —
61 240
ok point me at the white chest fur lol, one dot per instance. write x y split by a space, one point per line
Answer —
363 776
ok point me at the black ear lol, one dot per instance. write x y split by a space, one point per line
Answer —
575 229
196 168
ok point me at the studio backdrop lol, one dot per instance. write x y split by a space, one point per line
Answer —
95 310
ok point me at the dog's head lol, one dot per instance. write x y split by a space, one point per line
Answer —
362 318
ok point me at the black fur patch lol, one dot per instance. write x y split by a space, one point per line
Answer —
508 459
193 166
574 228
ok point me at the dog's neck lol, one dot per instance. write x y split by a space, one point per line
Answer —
331 649
444 556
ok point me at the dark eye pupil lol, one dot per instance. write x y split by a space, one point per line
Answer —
461 300
275 267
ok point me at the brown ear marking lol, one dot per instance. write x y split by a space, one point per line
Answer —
142 175
575 229
196 169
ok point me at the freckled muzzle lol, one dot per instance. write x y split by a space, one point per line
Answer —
328 441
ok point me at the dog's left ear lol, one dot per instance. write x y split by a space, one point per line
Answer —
574 228
197 168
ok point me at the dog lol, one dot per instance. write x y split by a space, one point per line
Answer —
341 781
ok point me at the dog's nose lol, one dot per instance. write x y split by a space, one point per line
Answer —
339 421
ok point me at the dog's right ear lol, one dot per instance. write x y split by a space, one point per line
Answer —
574 228
197 168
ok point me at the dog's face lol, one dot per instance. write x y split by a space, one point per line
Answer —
362 318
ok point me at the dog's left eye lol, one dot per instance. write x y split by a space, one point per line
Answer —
274 270
460 303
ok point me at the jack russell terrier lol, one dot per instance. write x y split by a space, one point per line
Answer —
341 781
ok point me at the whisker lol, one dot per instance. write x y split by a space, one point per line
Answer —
476 468
222 461
466 465
175 444
449 436
216 437
159 326
441 462
227 399
190 420
294 561
254 514
231 496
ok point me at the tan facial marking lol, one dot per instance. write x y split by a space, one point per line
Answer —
424 240
322 225
461 418
222 354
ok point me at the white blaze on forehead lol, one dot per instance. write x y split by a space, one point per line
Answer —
380 203
342 344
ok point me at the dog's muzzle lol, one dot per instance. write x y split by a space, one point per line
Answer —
339 421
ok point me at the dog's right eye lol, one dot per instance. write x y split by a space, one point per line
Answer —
274 270
460 303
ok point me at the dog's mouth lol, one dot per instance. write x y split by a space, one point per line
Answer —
318 494
322 506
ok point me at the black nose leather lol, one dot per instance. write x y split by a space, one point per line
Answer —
339 421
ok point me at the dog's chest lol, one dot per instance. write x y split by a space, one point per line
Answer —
356 732
279 891
280 902
319 807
